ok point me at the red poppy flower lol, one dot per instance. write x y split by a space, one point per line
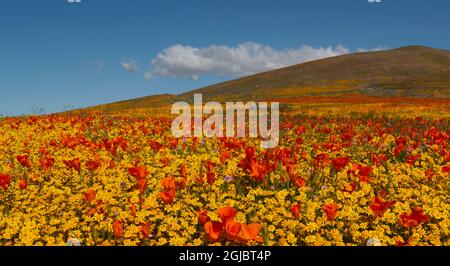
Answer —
93 165
47 162
138 172
167 196
330 210
365 170
295 210
233 229
429 173
24 160
145 230
165 161
257 170
90 195
339 163
250 232
117 229
155 145
413 219
412 159
321 160
227 214
298 181
142 184
75 164
446 168
23 184
379 206
213 230
210 177
168 183
5 181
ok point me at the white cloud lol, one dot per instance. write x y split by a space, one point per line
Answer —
130 66
242 60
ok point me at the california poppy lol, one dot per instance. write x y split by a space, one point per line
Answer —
117 229
330 210
23 184
145 230
339 163
142 184
138 172
413 219
47 162
213 230
5 181
75 164
167 196
298 181
446 168
227 214
24 160
90 195
168 183
295 210
321 160
183 170
93 165
379 206
412 159
233 229
249 232
429 173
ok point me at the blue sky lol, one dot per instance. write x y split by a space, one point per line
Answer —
54 53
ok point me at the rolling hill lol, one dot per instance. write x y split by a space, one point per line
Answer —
412 71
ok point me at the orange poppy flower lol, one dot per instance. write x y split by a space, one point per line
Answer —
379 206
142 184
5 181
168 183
298 181
145 230
330 210
213 230
117 229
138 172
24 160
233 229
413 219
75 164
47 162
93 165
339 163
90 195
295 210
23 184
250 232
321 160
167 196
227 214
